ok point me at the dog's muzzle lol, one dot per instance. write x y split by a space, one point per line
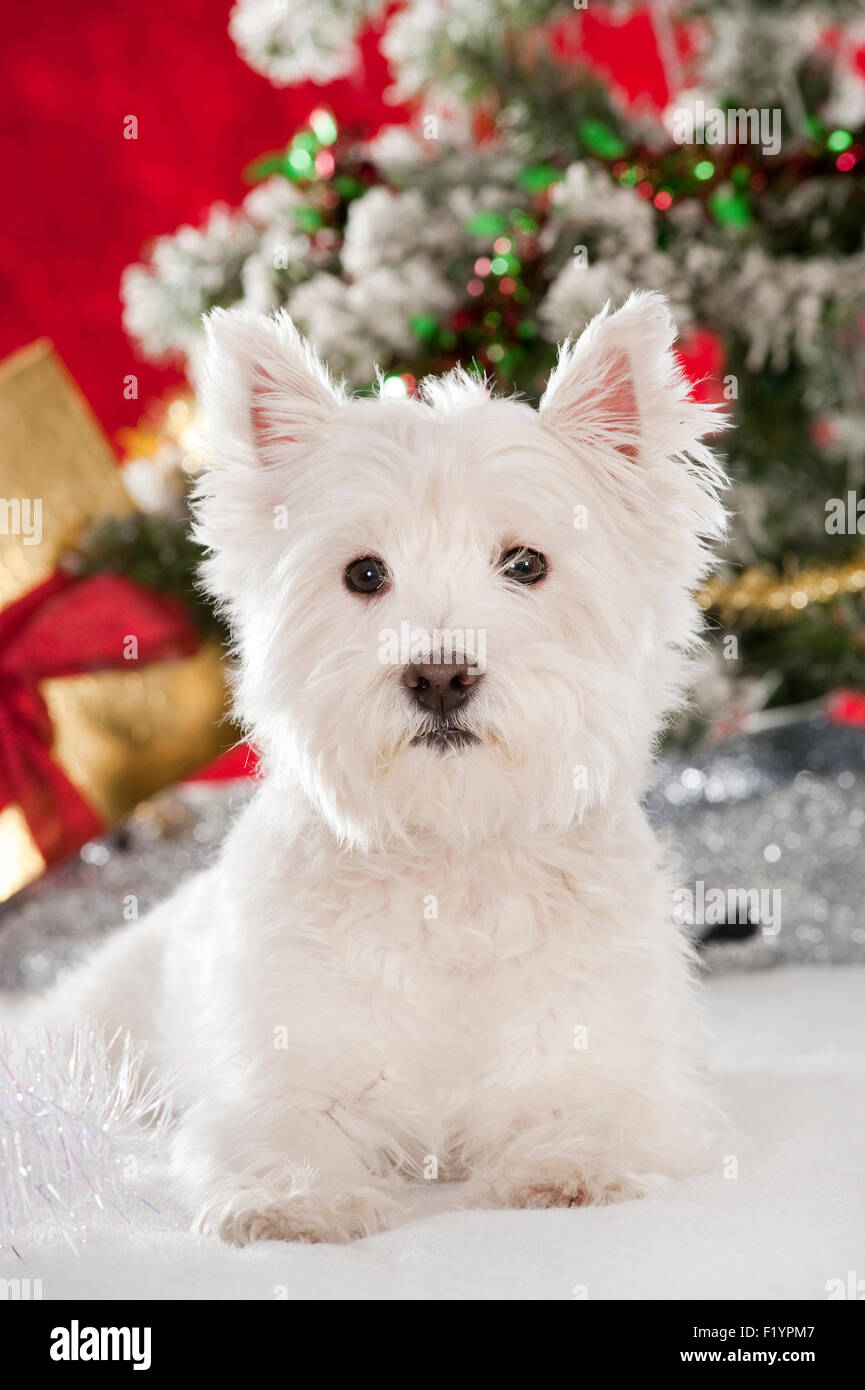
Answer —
445 738
441 689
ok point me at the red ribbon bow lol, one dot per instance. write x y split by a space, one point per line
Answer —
68 627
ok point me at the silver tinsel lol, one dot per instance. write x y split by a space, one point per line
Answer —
48 925
80 1118
779 811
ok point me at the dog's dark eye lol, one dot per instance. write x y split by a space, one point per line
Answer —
523 565
366 576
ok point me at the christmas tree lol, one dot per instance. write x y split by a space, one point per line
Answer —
555 157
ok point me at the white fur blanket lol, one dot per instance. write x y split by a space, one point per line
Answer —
789 1057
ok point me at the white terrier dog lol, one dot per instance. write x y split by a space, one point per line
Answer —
439 939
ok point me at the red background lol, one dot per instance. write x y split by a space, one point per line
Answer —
82 202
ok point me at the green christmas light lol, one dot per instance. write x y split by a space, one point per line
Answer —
839 141
599 139
423 325
511 360
324 126
704 170
265 166
348 187
489 224
300 161
495 352
305 140
308 219
499 266
536 178
394 387
730 208
522 221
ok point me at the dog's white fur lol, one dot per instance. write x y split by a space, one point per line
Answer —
407 961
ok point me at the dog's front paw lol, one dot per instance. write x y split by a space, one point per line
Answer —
250 1214
556 1184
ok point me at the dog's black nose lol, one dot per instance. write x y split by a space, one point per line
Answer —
440 686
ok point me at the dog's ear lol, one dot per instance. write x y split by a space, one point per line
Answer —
619 390
621 403
264 390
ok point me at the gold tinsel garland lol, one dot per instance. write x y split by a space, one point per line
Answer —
757 593
171 427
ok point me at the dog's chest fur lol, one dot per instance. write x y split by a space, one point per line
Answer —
414 979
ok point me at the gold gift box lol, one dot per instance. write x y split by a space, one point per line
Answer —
118 735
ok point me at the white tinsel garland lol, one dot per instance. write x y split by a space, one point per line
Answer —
422 32
750 53
188 272
294 41
754 56
402 248
78 1116
234 257
781 303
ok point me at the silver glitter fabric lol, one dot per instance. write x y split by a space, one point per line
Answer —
48 925
782 813
779 813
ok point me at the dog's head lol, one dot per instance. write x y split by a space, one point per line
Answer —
457 614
